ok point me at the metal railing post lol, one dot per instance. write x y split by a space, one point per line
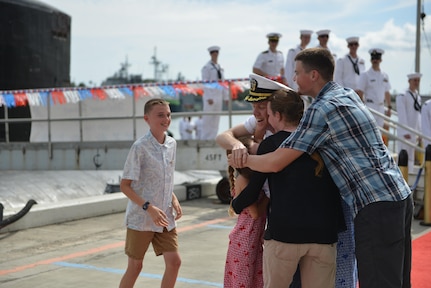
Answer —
6 125
230 104
427 190
403 160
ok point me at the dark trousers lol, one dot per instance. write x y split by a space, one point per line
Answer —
384 245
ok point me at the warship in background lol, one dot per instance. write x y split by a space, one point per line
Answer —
188 102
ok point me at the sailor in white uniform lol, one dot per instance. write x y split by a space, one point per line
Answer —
198 127
409 105
426 122
289 69
186 128
323 38
213 96
349 67
270 63
374 86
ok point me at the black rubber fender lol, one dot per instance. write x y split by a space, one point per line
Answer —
223 191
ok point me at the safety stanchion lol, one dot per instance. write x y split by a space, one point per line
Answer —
427 192
403 164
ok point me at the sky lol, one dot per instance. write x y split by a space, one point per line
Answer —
107 32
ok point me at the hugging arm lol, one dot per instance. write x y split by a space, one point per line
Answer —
251 192
270 162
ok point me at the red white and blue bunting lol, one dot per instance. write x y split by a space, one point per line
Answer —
169 91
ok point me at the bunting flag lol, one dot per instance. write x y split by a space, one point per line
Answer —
171 92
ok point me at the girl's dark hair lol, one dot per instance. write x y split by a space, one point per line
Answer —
289 104
246 172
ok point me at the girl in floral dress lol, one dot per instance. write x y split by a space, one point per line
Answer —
243 267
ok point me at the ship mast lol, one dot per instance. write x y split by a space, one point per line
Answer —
418 37
158 72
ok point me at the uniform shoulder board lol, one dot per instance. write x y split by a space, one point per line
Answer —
265 52
291 49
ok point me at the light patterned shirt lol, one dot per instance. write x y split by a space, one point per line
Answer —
151 166
339 126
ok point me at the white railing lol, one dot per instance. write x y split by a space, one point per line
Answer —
391 133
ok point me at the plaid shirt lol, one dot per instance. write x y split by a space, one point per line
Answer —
341 128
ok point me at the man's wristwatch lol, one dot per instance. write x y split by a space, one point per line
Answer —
145 206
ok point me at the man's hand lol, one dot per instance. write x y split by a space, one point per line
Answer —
237 161
238 156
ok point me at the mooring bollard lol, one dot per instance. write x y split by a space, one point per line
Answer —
403 163
427 192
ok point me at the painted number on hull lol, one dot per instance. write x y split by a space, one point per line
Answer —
213 157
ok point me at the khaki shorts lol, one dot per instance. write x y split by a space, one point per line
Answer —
137 242
317 263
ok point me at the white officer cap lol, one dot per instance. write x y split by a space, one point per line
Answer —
273 36
353 39
306 32
261 88
213 49
414 75
375 51
323 32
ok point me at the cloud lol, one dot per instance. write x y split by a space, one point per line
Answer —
105 32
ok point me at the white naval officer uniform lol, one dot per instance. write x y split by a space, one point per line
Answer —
345 73
325 32
374 85
186 129
348 69
410 117
426 121
270 62
210 123
289 69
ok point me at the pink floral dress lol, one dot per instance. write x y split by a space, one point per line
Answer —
243 268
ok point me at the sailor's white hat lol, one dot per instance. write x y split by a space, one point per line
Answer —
414 75
352 39
261 88
306 32
323 32
213 48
